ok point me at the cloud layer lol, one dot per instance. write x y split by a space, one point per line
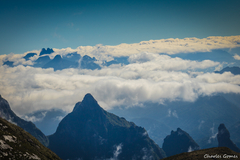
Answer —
149 77
29 89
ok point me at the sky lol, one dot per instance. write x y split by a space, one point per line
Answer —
31 25
173 49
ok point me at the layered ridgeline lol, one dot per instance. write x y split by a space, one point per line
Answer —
17 144
90 132
179 142
8 114
199 118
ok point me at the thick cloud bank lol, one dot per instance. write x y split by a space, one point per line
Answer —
149 76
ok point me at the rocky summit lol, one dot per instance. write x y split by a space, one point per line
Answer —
17 144
89 132
178 142
224 140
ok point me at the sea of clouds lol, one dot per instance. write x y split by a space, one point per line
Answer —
151 75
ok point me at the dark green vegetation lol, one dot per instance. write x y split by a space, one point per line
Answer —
17 144
89 132
8 114
179 142
219 153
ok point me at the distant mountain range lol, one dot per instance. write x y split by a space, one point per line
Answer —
70 60
89 132
181 142
74 60
17 144
200 118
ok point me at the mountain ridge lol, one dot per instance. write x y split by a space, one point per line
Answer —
8 114
97 134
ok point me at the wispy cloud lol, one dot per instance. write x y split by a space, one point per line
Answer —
236 56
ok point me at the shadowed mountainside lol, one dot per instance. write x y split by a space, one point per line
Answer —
15 143
89 132
8 114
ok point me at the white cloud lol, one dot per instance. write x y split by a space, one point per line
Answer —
169 46
149 77
236 56
116 152
190 149
160 78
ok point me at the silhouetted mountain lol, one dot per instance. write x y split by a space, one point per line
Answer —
223 137
57 63
41 61
199 118
8 63
15 143
73 57
233 70
29 55
8 114
44 51
219 153
88 63
179 142
89 132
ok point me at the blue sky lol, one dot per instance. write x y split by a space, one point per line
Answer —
28 25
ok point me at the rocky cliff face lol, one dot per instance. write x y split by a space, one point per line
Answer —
90 132
8 114
179 142
224 140
16 144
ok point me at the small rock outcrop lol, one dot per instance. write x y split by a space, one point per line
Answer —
179 142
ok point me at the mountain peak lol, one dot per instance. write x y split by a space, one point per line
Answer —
46 51
224 140
178 142
88 97
88 102
90 132
57 57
